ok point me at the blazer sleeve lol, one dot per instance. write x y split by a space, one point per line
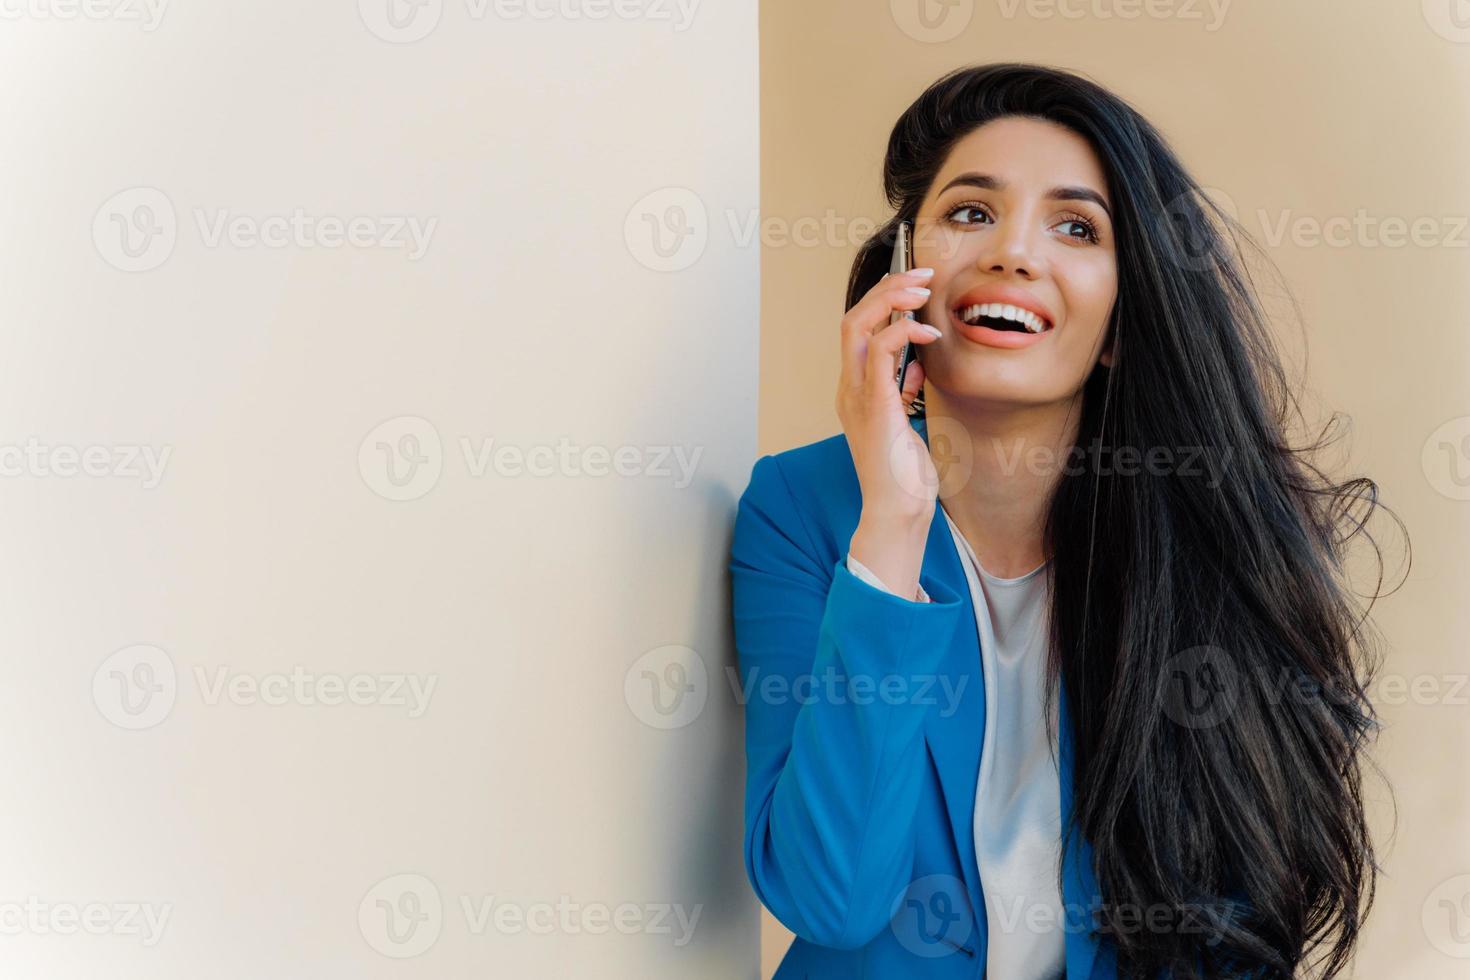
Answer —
867 575
833 673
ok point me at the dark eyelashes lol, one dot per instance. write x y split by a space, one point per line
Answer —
1086 222
957 209
962 206
1093 235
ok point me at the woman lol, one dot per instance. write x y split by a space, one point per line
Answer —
1050 665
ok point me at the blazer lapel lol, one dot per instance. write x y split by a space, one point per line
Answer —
1080 893
955 738
955 733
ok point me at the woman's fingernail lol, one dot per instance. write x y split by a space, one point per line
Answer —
923 271
917 290
932 329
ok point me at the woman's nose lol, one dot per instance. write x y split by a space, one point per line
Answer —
1011 248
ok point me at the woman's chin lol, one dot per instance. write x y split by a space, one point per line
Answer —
992 389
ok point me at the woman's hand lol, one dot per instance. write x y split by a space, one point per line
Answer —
895 472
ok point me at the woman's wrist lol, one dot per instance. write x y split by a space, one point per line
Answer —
892 548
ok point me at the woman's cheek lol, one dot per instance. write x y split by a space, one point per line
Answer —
1088 299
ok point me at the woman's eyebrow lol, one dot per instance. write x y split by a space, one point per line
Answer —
989 183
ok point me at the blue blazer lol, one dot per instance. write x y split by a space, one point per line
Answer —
860 800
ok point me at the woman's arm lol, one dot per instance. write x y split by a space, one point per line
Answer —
833 773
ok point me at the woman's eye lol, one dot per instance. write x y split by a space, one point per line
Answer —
961 210
1086 232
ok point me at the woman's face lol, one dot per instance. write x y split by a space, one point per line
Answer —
1018 215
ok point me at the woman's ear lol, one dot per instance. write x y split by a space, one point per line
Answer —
1110 345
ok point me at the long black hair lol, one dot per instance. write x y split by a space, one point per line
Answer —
1215 657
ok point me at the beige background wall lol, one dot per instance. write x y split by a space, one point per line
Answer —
1299 112
499 463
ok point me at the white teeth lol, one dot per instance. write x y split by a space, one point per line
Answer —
1032 322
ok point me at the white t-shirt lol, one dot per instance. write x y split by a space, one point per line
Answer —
1017 795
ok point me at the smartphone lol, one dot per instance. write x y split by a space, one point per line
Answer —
903 261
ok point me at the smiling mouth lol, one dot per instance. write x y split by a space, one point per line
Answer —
1003 317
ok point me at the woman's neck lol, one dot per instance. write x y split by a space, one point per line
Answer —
1015 457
